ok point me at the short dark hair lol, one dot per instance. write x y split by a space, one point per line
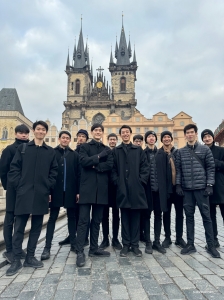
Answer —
190 126
97 125
125 126
65 132
138 137
42 123
112 135
22 128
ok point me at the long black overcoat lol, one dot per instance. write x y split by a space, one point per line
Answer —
218 190
130 173
72 179
33 174
94 173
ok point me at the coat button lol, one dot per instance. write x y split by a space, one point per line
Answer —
62 165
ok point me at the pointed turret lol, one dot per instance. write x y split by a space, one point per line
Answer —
116 49
68 64
111 57
80 60
134 58
74 52
129 47
123 54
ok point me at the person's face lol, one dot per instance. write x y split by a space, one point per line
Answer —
22 136
166 140
137 142
151 139
191 135
97 133
125 135
208 139
40 132
81 138
64 140
112 141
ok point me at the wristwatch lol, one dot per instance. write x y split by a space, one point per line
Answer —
209 185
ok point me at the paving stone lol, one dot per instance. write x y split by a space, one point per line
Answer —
191 275
100 297
33 284
13 290
45 292
172 291
163 278
51 279
119 292
26 295
70 269
115 277
204 286
65 284
83 284
64 294
100 287
183 283
173 272
151 287
214 280
213 296
82 295
193 294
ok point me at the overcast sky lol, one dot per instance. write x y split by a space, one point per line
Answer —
179 48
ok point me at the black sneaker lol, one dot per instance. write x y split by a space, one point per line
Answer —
105 243
66 241
157 246
116 244
166 243
180 243
124 251
14 268
216 243
136 251
23 254
188 249
45 254
32 262
9 256
81 259
99 253
214 253
148 248
86 243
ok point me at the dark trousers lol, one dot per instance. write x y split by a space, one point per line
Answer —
213 217
179 218
115 222
71 215
84 219
130 227
8 229
189 201
19 228
77 221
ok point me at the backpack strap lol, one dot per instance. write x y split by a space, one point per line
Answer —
193 154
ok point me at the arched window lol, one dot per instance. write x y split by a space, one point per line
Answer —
72 84
123 84
77 86
4 133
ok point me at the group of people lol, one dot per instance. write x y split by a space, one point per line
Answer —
88 181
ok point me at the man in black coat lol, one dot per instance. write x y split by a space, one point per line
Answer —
130 174
65 191
33 174
217 198
96 161
194 181
157 191
138 140
21 136
166 139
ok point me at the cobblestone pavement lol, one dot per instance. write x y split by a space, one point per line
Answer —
157 276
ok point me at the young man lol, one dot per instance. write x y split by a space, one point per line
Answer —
130 174
194 181
217 198
96 161
166 139
33 174
157 191
138 140
65 191
21 136
112 141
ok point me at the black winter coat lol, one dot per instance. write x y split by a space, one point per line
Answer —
130 173
94 173
72 179
190 173
33 174
6 159
218 190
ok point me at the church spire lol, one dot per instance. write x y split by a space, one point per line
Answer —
68 64
80 59
74 52
111 57
123 52
134 58
129 47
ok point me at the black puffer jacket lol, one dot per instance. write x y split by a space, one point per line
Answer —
190 173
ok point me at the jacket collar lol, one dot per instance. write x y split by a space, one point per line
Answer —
132 146
19 142
93 142
33 144
60 148
192 146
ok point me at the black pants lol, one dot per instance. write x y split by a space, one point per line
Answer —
84 219
19 228
213 217
179 218
8 229
115 222
189 201
130 226
77 221
71 215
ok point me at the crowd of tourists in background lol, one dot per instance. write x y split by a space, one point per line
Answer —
87 182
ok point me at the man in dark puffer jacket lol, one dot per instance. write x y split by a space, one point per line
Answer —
194 180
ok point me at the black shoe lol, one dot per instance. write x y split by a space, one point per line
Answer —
99 253
73 248
166 243
32 262
157 246
45 254
9 256
14 268
66 241
136 251
216 243
105 243
188 249
81 259
180 243
214 253
86 243
148 248
124 251
116 244
23 255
